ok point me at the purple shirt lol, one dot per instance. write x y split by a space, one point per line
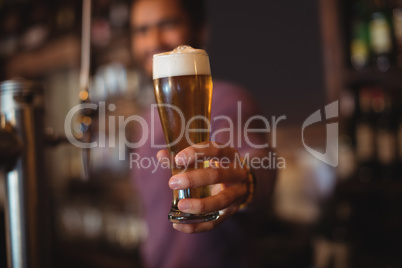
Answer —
234 242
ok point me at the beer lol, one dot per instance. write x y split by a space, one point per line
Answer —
192 95
183 92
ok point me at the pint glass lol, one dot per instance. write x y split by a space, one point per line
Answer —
183 92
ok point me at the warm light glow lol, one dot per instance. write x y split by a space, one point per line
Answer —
83 95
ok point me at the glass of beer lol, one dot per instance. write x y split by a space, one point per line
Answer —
183 92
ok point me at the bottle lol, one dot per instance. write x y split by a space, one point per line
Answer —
65 18
364 137
397 22
385 136
399 135
380 36
347 159
359 45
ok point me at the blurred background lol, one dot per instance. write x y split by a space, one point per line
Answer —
294 57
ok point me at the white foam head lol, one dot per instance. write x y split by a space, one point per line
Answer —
183 60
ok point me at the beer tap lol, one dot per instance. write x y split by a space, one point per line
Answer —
85 119
22 172
22 167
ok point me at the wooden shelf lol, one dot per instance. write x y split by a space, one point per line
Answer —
353 186
391 79
63 52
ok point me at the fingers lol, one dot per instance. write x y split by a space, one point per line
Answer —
204 150
221 172
222 200
162 154
207 176
206 226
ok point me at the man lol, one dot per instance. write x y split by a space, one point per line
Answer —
160 26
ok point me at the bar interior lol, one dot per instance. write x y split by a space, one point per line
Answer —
326 75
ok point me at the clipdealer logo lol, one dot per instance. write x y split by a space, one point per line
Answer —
244 128
330 156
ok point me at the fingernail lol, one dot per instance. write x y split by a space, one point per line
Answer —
177 226
183 205
180 159
174 183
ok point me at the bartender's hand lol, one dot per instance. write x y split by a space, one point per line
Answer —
229 180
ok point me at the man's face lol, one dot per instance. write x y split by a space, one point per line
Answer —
157 26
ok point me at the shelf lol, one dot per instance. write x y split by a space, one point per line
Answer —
371 76
353 186
63 52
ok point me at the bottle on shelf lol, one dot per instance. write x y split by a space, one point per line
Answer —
360 41
364 137
347 159
397 23
399 134
380 36
65 20
385 136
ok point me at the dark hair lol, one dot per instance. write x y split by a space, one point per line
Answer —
196 10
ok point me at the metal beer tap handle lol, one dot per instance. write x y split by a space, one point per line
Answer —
85 120
24 176
86 117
